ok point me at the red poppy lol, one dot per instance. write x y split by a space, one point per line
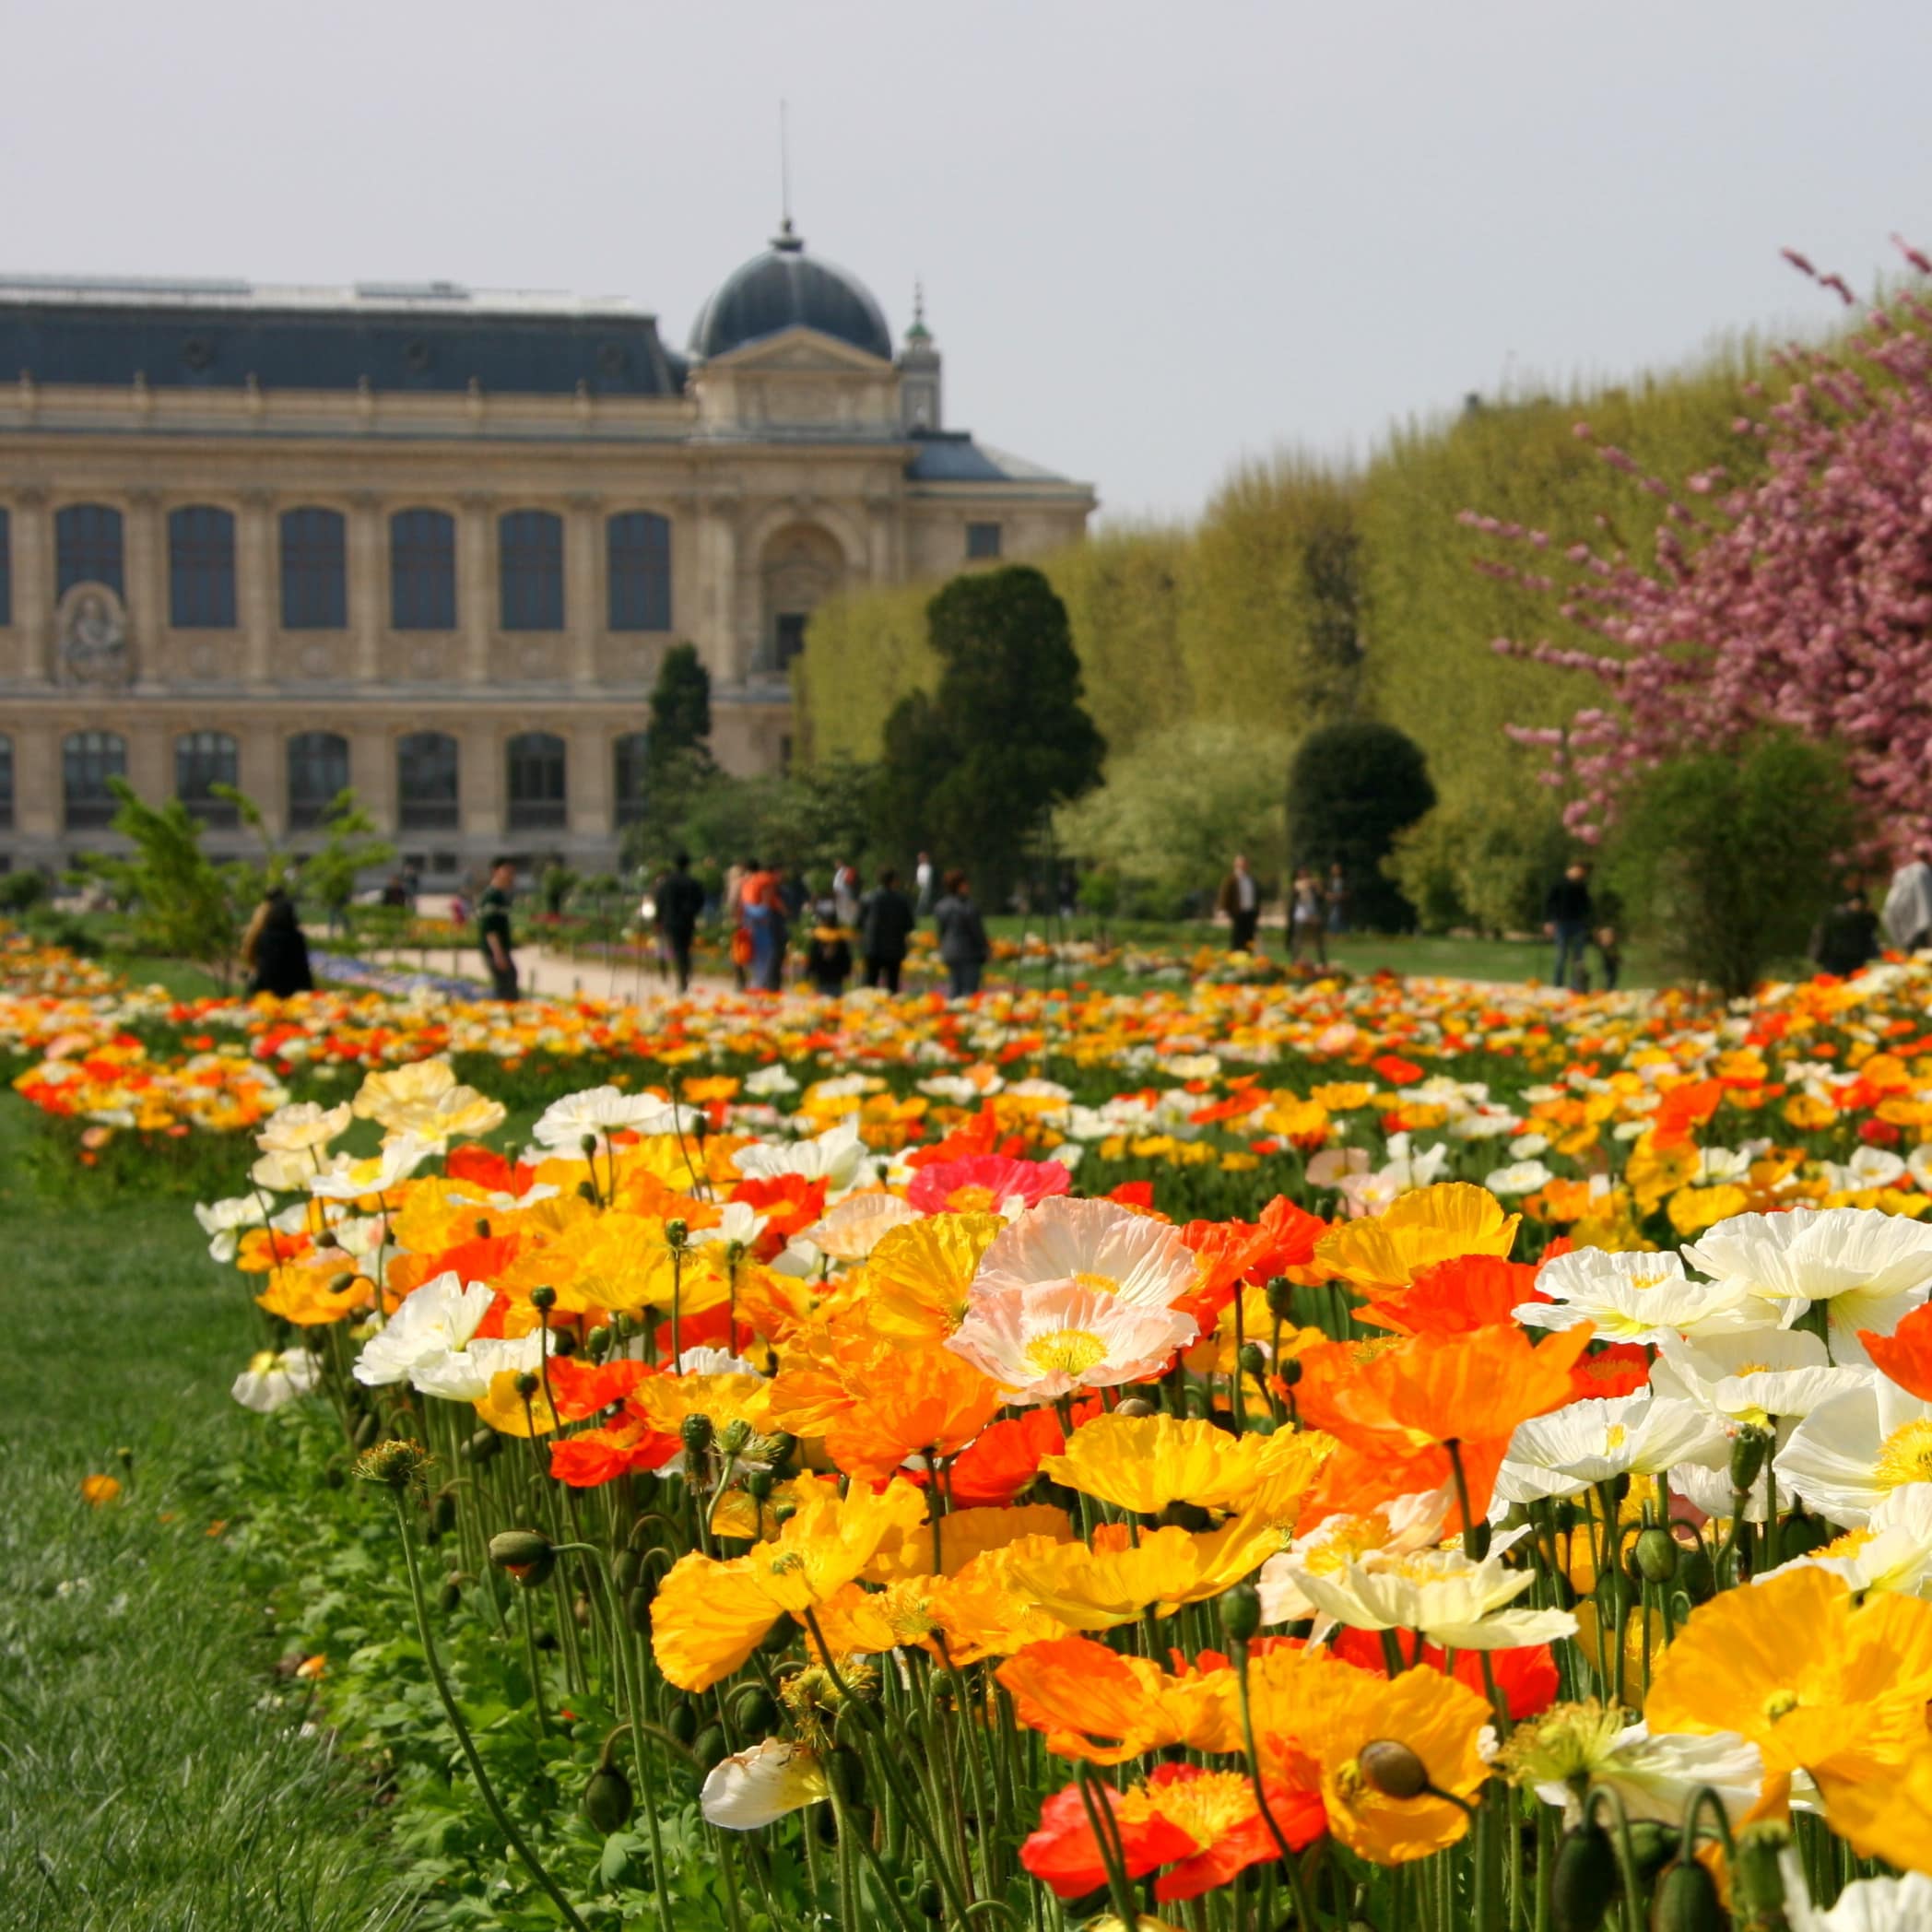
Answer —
984 1184
482 1168
579 1389
1063 1855
1616 1369
1006 1457
1527 1676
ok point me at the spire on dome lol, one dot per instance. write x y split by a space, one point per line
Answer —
919 332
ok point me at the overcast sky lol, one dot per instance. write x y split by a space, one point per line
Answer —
1153 236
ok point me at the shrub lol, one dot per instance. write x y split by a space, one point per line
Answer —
1351 788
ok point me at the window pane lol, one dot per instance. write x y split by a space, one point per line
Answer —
202 760
530 567
87 548
318 773
201 569
981 540
89 759
640 556
425 782
422 571
7 568
538 800
790 635
315 570
6 781
627 790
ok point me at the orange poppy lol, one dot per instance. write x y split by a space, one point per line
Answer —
1096 1703
1905 1355
1452 1297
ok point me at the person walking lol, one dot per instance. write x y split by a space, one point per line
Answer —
1239 901
963 947
680 899
275 950
1908 906
1847 938
923 884
493 928
1337 899
1307 919
885 921
1566 919
828 954
845 893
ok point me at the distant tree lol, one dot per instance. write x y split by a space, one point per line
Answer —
1351 789
680 706
1462 865
349 847
185 905
971 771
1728 859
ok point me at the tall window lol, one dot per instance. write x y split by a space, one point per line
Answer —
89 759
6 781
627 776
422 571
789 635
538 800
530 569
87 548
425 793
640 557
7 568
315 570
204 759
982 541
201 569
318 775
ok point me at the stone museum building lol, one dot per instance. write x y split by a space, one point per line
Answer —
432 544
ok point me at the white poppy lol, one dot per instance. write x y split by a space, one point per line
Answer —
1453 1599
837 1157
761 1786
597 1113
1851 1451
739 1222
463 1374
1893 1551
304 1125
441 1315
768 1081
1633 1297
1751 1377
1566 1452
1900 1905
1519 1177
1654 1775
1099 1244
399 1158
1401 1526
273 1379
1054 1339
223 1222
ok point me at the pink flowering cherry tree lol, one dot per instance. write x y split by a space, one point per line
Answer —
1800 600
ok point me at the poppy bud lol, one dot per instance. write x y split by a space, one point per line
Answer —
709 1747
1615 1597
1695 1576
695 1432
1253 1358
677 1233
845 1772
780 1449
585 1192
1476 1539
682 1723
588 1142
452 1594
528 1554
1656 1555
597 1342
1652 1845
1583 1881
564 1343
637 1611
931 1900
626 1567
481 1227
1291 1373
778 1639
481 1446
1686 1899
443 1514
1241 1612
341 1284
366 1431
543 1298
758 1485
736 1434
1135 1405
608 1802
1281 1298
326 1239
754 1712
1799 1534
1748 1457
1393 1769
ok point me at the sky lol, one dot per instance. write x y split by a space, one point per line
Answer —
1156 239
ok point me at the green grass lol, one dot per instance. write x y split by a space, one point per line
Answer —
151 1771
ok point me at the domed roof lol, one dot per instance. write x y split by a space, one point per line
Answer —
785 289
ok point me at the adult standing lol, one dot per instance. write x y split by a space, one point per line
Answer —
493 928
1566 919
845 893
275 950
963 947
1908 906
738 916
885 921
1337 899
1307 919
923 883
680 900
1239 901
1847 939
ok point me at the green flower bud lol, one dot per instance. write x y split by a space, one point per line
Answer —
481 1227
1748 1451
528 1386
1241 1612
608 1802
597 1342
528 1554
626 1567
753 1710
1652 1845
1393 1769
1799 1534
588 1142
543 1298
682 1723
758 1485
709 1747
1253 1358
736 1434
1583 1881
1281 1298
482 1445
677 1234
451 1595
696 1434
1686 1899
637 1610
1656 1555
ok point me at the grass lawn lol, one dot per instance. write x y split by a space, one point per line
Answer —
143 1785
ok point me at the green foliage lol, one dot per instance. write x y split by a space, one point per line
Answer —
863 653
555 887
349 847
22 891
1351 788
1177 807
680 704
1465 866
971 772
812 818
185 905
1728 859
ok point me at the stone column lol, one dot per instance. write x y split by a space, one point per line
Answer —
482 779
476 587
150 757
882 534
38 804
257 586
265 771
372 768
723 622
368 575
588 774
146 576
32 544
585 596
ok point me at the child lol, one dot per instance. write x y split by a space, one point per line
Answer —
828 960
1610 951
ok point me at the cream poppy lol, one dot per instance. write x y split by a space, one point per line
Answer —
1098 1245
1055 1337
1575 1447
1852 1451
761 1786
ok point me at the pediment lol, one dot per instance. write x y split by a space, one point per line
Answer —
802 351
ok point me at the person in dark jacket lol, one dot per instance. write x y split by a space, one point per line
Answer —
962 937
680 899
1847 937
828 954
1566 919
275 949
885 921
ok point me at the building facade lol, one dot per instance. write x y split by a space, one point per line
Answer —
432 544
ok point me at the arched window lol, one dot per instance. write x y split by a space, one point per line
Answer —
204 759
640 554
627 776
7 568
315 570
426 789
422 571
530 569
6 781
89 759
318 775
539 799
87 548
201 568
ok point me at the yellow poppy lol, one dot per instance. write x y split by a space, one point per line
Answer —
1144 1463
964 1536
1427 1225
919 1276
1885 1818
510 1414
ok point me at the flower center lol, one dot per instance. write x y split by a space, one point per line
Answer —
1613 1436
262 1361
1906 1457
1779 1703
1070 1351
1100 1284
974 1199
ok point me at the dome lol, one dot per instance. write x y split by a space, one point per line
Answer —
786 289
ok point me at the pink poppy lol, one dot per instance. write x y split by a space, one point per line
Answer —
984 1184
